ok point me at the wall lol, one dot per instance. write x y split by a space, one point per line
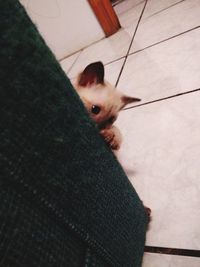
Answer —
66 25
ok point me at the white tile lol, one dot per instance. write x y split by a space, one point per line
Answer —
161 156
160 260
67 63
167 23
125 6
129 19
110 48
154 6
165 69
106 50
112 71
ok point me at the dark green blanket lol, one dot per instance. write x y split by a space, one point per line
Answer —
65 200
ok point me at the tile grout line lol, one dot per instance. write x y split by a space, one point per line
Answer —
165 40
162 99
147 47
70 55
127 54
117 3
125 57
70 68
173 251
113 61
119 14
160 11
81 50
108 63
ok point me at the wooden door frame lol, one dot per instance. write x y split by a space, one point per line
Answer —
106 16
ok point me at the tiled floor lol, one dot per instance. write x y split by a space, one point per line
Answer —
156 56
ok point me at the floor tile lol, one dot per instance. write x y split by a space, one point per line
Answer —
167 23
115 46
111 71
129 19
160 260
67 63
161 156
106 51
126 5
155 6
166 69
112 48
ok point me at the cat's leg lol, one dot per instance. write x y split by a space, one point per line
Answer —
112 136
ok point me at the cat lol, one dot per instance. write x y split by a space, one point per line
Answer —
103 102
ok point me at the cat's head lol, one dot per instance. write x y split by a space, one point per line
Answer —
102 100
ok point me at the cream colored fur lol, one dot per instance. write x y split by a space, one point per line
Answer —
109 100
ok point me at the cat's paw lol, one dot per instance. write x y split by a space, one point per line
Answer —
111 138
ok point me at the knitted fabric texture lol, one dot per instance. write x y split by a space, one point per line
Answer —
65 200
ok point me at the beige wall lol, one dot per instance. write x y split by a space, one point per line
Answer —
66 25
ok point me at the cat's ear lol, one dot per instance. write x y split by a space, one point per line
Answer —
92 74
128 99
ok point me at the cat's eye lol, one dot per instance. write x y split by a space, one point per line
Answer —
95 109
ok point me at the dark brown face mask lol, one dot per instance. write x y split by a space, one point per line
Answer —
107 123
91 76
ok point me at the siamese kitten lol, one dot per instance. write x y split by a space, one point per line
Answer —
103 102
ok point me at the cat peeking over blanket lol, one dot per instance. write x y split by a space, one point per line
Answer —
103 102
